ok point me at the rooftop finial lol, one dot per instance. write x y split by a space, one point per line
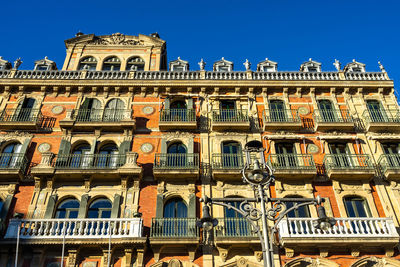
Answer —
354 60
337 65
381 67
223 58
247 64
310 59
202 64
46 58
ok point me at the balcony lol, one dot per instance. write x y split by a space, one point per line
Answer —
348 166
281 119
91 119
181 119
227 119
95 165
333 119
176 165
234 231
53 231
227 166
174 234
362 233
382 120
292 166
20 119
13 165
390 165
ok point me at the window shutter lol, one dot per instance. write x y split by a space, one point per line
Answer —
192 206
163 146
115 206
83 206
5 208
189 103
124 148
166 103
159 206
65 147
50 207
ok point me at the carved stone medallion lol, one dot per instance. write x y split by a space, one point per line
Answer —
303 111
312 148
148 110
57 110
44 147
146 147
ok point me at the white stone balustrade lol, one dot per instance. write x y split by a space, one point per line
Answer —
344 227
74 228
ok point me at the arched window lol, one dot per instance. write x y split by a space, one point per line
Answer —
114 110
87 63
90 110
67 209
175 208
135 63
232 154
376 111
178 111
277 111
112 64
11 156
108 156
99 208
25 111
326 111
81 157
356 207
235 225
177 156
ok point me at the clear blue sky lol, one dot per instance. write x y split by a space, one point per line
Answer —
288 32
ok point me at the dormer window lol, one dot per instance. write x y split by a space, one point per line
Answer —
112 64
179 65
310 66
87 63
354 67
45 64
223 65
42 67
267 66
135 64
4 64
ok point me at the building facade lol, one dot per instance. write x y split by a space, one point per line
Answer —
104 162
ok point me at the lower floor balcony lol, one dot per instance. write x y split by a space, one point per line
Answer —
390 165
176 165
54 231
292 165
367 234
227 166
349 166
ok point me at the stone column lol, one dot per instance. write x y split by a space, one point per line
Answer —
72 256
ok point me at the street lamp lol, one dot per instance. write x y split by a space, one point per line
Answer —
260 176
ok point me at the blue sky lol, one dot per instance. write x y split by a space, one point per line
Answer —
288 32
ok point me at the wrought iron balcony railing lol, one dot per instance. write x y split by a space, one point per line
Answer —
174 227
332 116
177 115
227 161
344 227
176 161
382 116
13 161
74 228
291 162
230 116
389 162
347 161
281 115
100 115
89 161
21 115
234 228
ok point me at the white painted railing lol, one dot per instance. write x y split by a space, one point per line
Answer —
75 228
344 227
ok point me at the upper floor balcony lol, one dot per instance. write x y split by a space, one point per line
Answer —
179 119
348 166
333 119
390 164
281 119
235 230
359 233
228 119
13 165
20 119
90 119
54 231
227 166
378 120
292 166
176 165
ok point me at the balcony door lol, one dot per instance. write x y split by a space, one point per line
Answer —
392 153
235 224
67 209
100 209
231 155
376 111
176 155
81 157
227 110
11 156
178 111
286 155
326 110
90 110
108 156
357 207
299 226
24 111
175 212
114 110
341 155
277 111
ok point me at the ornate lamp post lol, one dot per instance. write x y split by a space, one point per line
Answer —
260 178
